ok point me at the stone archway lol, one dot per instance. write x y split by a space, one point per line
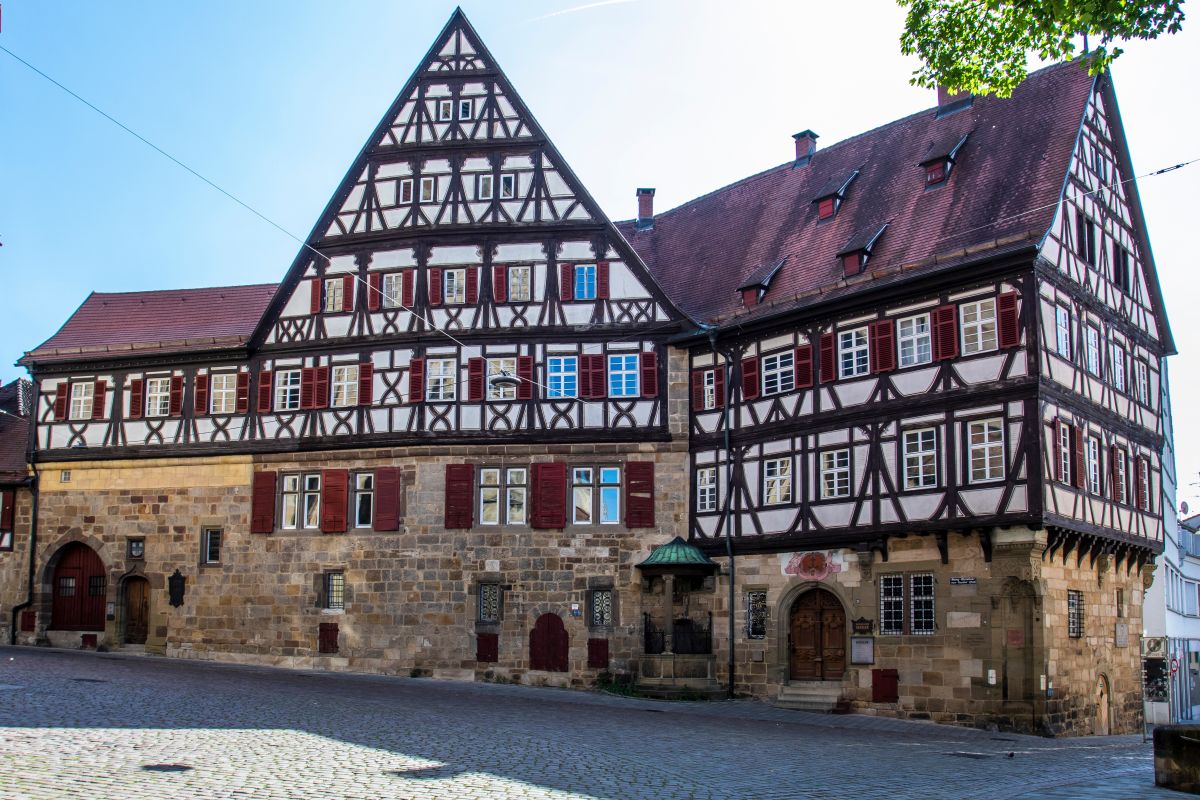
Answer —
817 637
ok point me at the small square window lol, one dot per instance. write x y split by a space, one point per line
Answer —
135 548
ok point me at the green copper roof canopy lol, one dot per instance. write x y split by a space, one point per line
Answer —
677 557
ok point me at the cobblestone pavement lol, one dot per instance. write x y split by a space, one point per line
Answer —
98 726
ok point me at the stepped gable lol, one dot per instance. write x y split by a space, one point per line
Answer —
1001 197
159 321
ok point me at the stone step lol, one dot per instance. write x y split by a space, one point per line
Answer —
809 695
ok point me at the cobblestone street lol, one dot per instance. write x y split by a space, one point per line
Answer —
83 725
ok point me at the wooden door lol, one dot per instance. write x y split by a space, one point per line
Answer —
137 610
548 644
79 590
817 639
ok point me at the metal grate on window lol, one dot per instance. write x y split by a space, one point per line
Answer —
335 590
96 585
891 604
66 587
489 602
922 621
602 608
756 615
1074 614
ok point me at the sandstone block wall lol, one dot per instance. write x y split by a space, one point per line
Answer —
14 564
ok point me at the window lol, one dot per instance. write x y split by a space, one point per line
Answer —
222 387
66 586
777 481
916 596
454 286
1085 237
333 294
301 504
518 285
978 326
364 499
1190 599
1093 464
497 367
502 495
1100 165
1120 603
708 383
466 109
916 346
96 585
853 356
442 374
483 187
1093 350
1074 614
891 604
1066 460
445 110
1118 367
623 375
920 458
562 376
287 389
1062 328
777 374
1143 383
428 189
922 604
335 590
490 602
508 186
1142 465
406 193
986 442
596 495
135 548
706 489
601 605
1120 468
756 615
345 386
158 397
585 281
835 474
6 541
1122 278
393 290
81 400
210 546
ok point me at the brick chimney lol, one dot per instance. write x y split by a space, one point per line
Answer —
949 102
806 145
645 217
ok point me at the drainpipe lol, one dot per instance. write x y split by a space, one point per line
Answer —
724 520
33 527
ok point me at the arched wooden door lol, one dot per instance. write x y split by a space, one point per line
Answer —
1102 707
548 644
78 590
817 637
137 610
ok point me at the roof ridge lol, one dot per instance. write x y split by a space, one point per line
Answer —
186 289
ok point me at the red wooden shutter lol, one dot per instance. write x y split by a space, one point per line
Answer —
487 647
435 287
416 380
828 358
348 292
1007 320
387 499
472 285
525 375
882 346
243 392
407 288
945 332
99 392
327 637
262 503
374 291
1113 481
264 391
137 398
648 361
321 387
500 284
366 383
698 390
639 490
549 496
566 282
315 295
597 653
1139 483
804 366
1080 462
200 398
592 377
476 375
307 387
176 397
749 378
825 208
1058 471
719 385
62 397
460 491
8 500
335 488
602 280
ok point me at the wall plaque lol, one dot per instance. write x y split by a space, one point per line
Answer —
962 580
175 586
863 625
862 650
1122 634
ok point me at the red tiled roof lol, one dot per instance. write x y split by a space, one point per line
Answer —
14 441
171 320
1001 195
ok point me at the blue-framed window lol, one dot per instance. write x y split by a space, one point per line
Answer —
562 376
623 375
585 282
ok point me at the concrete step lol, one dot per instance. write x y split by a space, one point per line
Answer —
809 695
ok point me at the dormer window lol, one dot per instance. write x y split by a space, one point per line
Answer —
832 193
825 207
852 263
940 158
857 252
936 173
759 282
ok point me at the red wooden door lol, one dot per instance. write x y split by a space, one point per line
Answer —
79 590
137 610
817 637
548 644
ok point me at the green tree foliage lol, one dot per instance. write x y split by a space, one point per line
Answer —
980 46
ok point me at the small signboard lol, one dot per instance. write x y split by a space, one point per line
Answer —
862 625
962 580
862 650
1122 634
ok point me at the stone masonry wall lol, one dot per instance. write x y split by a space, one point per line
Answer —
14 564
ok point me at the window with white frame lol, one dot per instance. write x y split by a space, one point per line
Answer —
210 545
1120 468
393 290
706 489
301 501
985 441
1190 599
508 186
454 286
483 187
920 458
441 380
222 388
364 499
623 375
158 397
428 189
518 284
853 354
345 386
334 288
81 400
916 345
1118 367
585 281
596 495
502 493
562 376
978 326
287 389
708 383
1075 613
501 367
835 473
1065 456
466 109
1093 464
921 604
406 192
445 110
1143 383
778 373
1062 330
1093 350
907 604
777 481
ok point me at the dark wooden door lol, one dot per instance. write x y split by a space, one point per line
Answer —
548 644
137 610
79 590
817 638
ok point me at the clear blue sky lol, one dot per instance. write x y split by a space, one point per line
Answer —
272 100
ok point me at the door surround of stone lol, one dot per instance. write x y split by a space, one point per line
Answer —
779 654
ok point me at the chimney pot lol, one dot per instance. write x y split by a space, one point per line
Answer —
645 217
949 102
806 145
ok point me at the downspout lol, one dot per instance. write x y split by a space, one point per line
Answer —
724 521
33 527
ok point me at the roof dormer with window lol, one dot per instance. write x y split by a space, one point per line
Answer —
857 252
832 193
940 158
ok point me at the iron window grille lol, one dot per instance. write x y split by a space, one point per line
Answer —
756 615
490 602
907 604
335 590
96 585
601 603
66 586
1074 614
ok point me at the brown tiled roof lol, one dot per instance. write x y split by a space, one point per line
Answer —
171 320
14 442
1000 197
